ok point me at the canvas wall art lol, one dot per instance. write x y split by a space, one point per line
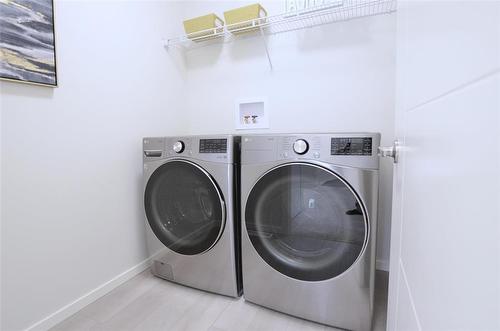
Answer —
27 41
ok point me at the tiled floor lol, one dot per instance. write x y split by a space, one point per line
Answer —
148 303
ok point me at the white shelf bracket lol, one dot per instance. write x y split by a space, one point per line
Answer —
264 41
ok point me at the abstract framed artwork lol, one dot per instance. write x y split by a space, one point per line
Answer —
27 42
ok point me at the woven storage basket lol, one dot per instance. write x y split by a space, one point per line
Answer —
245 19
203 27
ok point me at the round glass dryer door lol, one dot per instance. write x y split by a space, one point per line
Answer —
306 222
184 207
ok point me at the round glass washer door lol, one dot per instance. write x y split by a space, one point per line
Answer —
184 207
306 222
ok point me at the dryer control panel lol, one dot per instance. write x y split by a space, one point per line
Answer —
346 149
351 146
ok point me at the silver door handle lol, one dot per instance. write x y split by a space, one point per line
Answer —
391 151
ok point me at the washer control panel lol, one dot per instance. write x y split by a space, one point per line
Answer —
213 146
351 146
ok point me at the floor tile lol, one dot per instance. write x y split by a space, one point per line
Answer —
147 303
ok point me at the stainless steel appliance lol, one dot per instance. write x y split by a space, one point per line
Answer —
191 207
309 211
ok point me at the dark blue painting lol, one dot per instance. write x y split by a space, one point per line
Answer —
27 41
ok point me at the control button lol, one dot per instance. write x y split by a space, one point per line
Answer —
316 155
178 146
300 146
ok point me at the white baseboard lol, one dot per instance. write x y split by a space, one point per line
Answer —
382 265
68 310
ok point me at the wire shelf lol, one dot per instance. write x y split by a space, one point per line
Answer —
342 10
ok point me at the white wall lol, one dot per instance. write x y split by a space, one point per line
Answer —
71 172
338 77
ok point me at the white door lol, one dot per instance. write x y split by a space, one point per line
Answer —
445 254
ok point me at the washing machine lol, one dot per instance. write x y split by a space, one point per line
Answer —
191 206
309 219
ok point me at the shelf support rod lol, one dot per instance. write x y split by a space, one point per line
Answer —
263 36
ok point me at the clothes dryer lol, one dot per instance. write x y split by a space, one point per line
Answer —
309 220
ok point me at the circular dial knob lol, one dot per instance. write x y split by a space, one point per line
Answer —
178 146
300 146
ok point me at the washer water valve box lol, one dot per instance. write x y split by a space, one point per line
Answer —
251 114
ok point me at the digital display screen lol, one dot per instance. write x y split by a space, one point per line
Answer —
213 145
351 146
